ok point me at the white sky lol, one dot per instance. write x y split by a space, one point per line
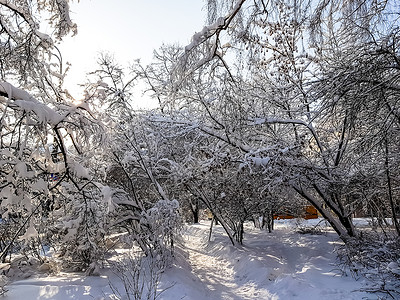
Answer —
128 29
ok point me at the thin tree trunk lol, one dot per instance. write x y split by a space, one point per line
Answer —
195 211
211 228
338 210
239 233
389 183
197 192
272 220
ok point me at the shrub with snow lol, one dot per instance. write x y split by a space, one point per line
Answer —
138 277
163 222
376 257
82 229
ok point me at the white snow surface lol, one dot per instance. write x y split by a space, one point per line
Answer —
279 265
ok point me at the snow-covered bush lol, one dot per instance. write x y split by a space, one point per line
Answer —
42 150
140 277
8 229
163 222
82 228
376 257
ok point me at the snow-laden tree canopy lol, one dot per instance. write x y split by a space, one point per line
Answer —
307 89
25 50
45 137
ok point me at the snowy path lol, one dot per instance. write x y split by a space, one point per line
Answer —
216 273
62 287
283 265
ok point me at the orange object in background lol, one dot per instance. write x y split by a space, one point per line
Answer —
309 212
283 217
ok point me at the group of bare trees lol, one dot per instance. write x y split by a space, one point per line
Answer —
67 179
288 99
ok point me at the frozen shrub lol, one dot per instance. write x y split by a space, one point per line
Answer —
82 229
376 257
163 223
138 277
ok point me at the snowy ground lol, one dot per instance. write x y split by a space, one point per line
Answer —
280 265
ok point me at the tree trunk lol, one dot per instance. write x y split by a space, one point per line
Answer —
336 224
226 228
204 199
270 221
336 207
390 195
194 207
211 227
239 233
196 217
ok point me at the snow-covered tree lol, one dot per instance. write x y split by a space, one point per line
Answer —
290 82
136 159
47 139
27 54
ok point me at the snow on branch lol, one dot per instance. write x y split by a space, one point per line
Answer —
28 103
57 11
191 125
260 121
65 25
23 13
309 126
222 23
199 38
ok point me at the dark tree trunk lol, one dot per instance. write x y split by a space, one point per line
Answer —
336 222
211 228
390 194
239 233
194 207
195 215
270 220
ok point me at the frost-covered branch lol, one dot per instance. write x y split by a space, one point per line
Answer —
214 29
309 126
27 102
204 37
